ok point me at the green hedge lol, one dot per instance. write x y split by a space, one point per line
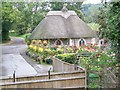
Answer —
67 57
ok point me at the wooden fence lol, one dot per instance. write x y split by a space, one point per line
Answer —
61 66
43 76
75 79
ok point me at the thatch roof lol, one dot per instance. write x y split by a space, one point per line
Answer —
59 24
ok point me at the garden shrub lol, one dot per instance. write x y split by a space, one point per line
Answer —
81 50
85 54
69 50
30 47
28 41
67 57
94 80
96 63
60 50
48 61
53 48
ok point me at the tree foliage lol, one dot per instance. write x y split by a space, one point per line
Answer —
75 6
22 17
91 12
113 29
110 28
8 18
110 22
29 16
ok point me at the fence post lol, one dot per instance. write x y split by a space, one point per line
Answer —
49 73
14 76
76 62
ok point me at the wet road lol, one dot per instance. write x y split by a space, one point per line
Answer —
13 59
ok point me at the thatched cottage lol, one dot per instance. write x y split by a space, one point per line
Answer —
63 28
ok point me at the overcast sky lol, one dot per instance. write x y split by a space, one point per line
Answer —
92 1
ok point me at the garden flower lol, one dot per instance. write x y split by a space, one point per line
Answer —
108 60
33 42
113 54
40 49
45 42
98 59
47 50
58 49
96 50
35 48
113 57
109 68
30 46
81 57
98 55
39 42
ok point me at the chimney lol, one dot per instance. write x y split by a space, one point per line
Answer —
64 9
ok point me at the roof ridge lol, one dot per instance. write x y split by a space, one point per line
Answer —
60 13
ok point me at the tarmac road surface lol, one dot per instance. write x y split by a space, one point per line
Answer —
13 58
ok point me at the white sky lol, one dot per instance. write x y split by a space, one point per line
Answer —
92 1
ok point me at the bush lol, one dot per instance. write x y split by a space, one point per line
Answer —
48 61
28 41
85 54
60 50
69 50
67 57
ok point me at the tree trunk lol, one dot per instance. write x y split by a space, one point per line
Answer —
5 30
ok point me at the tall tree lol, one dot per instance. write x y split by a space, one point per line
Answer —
110 29
8 18
112 32
57 5
76 6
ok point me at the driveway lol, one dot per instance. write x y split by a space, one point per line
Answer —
13 58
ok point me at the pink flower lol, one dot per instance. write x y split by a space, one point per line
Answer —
109 68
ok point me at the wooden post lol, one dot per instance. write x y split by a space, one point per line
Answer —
14 76
76 62
49 73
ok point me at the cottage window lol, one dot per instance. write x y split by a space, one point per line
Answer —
81 42
101 42
58 42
